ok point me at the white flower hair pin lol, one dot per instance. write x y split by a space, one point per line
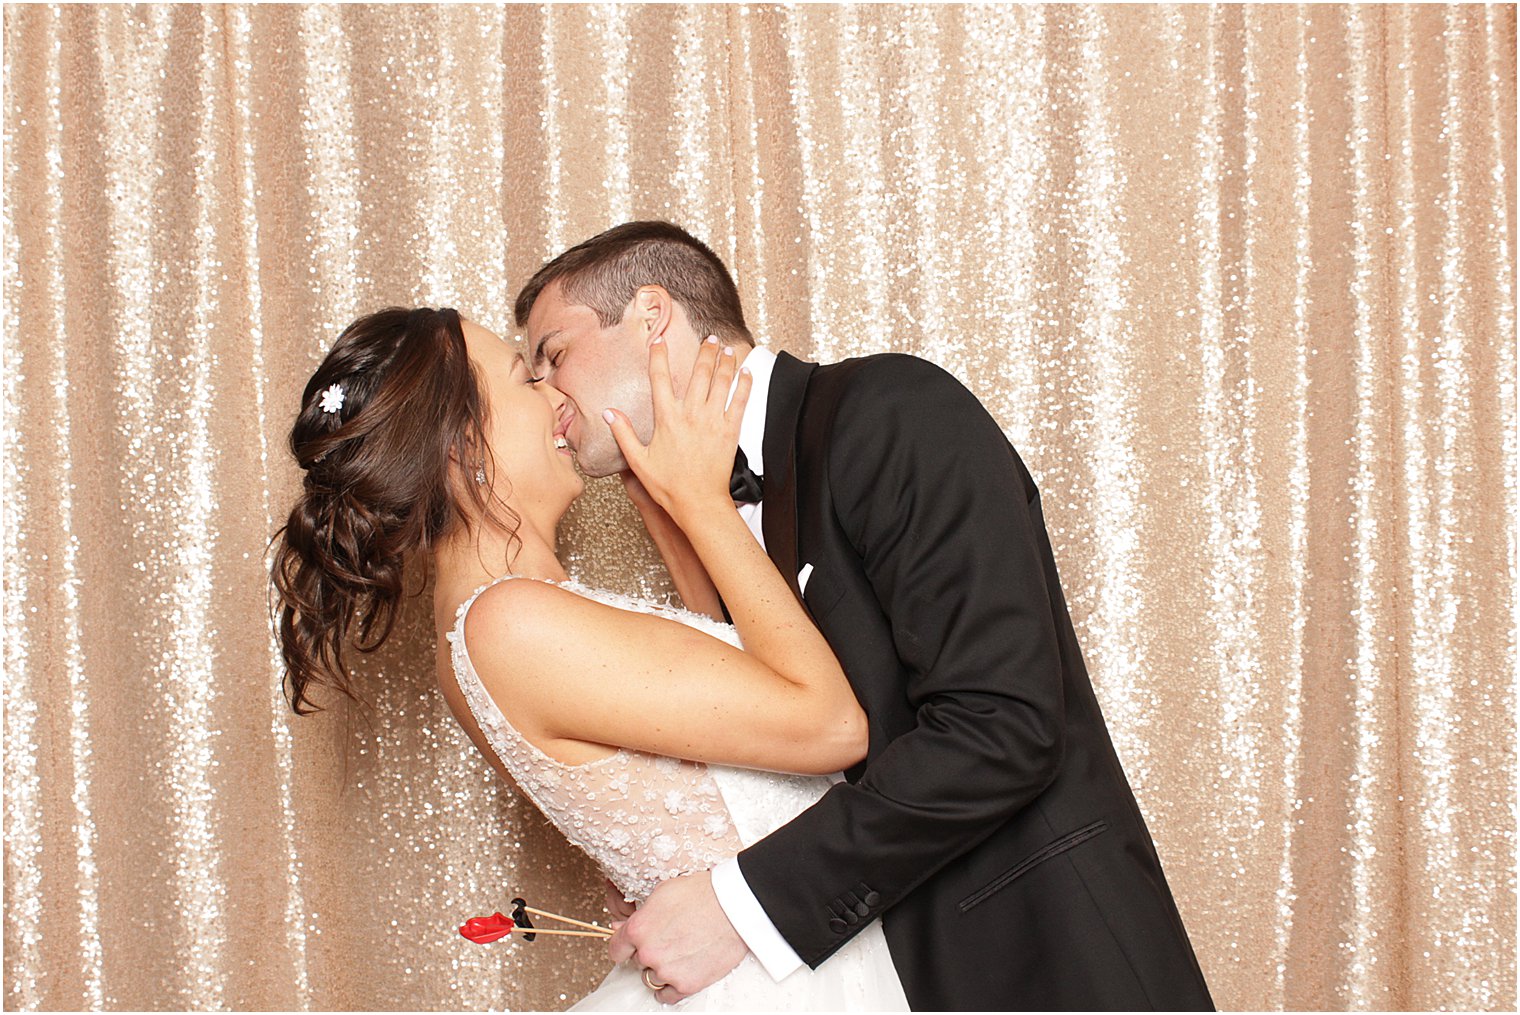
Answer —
332 398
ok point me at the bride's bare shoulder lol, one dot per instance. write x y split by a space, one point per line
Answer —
532 628
515 619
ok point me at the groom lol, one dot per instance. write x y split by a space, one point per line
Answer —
990 827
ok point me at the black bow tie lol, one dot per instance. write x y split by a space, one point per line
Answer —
744 486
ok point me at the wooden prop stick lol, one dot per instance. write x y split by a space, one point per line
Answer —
566 933
604 931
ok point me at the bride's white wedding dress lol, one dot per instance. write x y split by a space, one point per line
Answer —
645 818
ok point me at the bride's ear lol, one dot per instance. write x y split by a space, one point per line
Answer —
465 461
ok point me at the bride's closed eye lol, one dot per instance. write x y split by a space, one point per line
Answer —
528 377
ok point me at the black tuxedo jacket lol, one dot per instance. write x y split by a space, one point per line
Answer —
991 826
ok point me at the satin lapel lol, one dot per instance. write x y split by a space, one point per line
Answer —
789 380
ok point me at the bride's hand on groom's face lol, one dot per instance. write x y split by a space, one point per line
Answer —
686 466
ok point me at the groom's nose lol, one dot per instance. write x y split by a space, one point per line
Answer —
558 400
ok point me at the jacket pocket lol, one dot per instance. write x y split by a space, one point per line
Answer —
1034 859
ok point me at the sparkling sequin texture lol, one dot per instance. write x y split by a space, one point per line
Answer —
1238 281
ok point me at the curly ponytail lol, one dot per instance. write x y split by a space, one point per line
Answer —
395 399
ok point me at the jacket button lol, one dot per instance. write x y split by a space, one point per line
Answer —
861 909
837 925
872 899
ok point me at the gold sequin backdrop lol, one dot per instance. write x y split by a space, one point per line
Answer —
1237 281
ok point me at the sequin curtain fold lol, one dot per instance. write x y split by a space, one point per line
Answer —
1239 282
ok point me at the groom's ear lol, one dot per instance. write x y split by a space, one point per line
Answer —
652 310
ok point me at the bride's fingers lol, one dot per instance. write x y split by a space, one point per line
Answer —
723 378
734 415
660 390
628 442
700 387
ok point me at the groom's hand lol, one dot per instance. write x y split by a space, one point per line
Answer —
619 907
680 935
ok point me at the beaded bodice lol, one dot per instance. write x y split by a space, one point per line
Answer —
642 817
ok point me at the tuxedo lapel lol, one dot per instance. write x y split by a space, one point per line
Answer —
789 380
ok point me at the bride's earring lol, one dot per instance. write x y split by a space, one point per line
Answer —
480 474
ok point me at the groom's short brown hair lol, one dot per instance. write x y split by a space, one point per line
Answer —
605 271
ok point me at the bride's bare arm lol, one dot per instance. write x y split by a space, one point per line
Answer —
574 669
567 668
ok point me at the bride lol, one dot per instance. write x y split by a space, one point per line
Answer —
654 738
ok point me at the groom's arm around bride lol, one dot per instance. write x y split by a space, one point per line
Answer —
992 826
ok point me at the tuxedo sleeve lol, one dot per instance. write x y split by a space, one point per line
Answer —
748 918
934 500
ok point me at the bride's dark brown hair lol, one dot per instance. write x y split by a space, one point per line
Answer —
377 487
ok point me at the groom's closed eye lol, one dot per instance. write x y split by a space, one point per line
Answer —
542 348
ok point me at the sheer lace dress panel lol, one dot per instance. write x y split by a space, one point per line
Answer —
642 817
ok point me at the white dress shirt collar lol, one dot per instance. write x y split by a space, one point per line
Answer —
760 361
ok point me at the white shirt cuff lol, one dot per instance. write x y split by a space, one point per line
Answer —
748 917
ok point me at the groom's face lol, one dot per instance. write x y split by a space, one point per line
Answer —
596 368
